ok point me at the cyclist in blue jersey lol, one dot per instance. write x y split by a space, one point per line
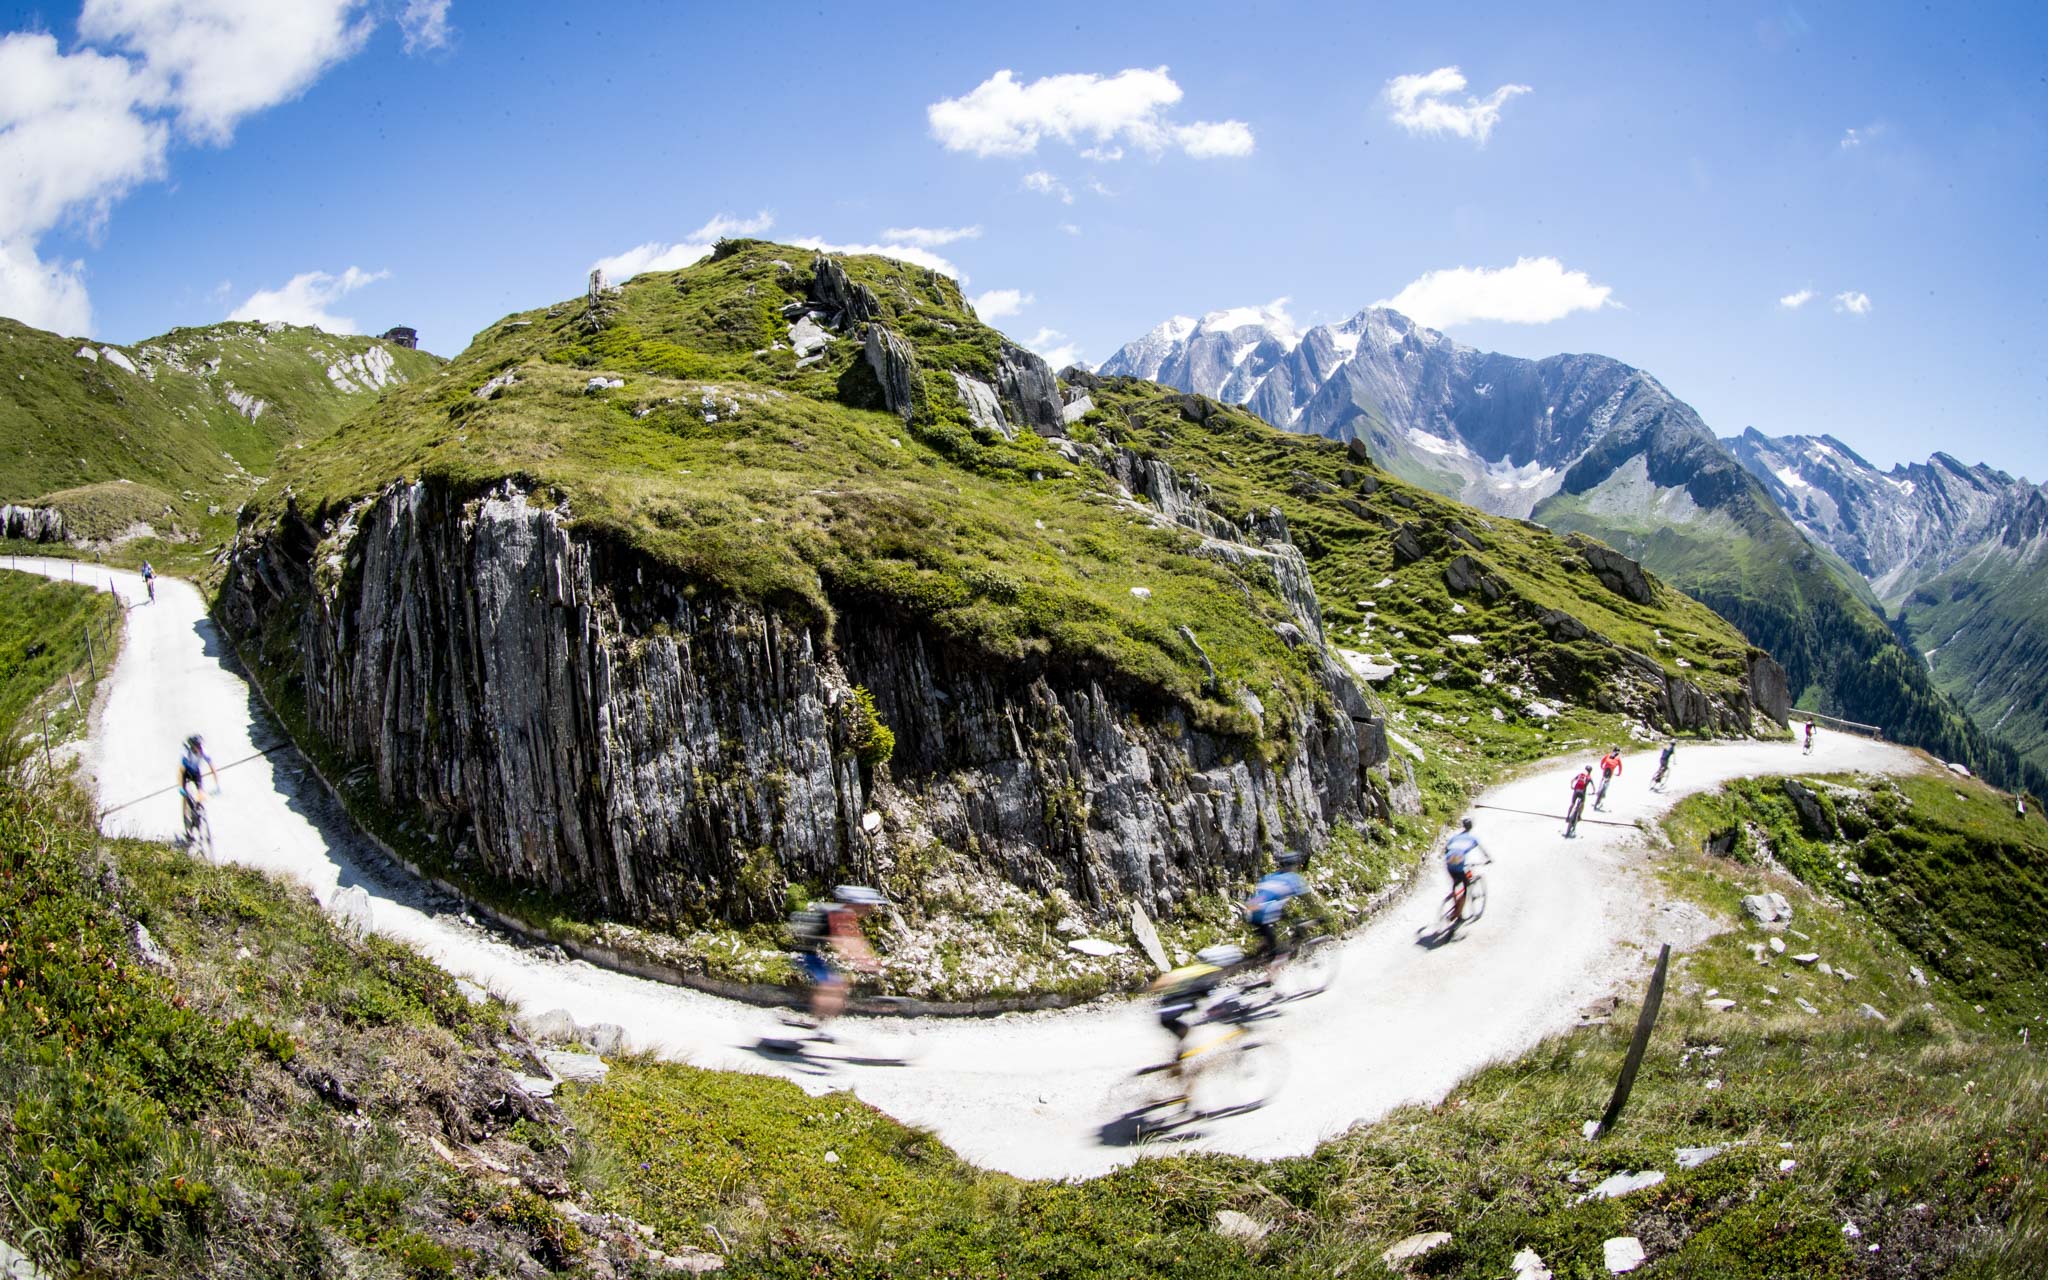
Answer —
1268 905
1458 853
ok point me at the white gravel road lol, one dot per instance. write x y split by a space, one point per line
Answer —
1027 1093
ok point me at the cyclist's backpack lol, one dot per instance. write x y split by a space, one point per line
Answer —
808 927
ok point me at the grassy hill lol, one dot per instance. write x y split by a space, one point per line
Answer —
175 431
674 420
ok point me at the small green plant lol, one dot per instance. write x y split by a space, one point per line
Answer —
873 742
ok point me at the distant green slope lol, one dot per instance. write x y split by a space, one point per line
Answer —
1751 565
183 422
1983 626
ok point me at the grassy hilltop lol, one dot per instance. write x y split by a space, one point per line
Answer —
174 432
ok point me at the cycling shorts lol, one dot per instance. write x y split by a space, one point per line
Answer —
1460 873
1269 937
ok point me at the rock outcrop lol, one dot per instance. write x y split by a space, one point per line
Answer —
1618 573
894 365
564 714
32 524
844 302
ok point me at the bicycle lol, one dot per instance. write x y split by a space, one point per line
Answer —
1572 814
198 828
1223 1068
1473 896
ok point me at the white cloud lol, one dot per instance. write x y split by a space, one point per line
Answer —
1095 185
1045 184
1794 301
48 295
1854 301
1224 138
80 130
655 255
217 61
1423 104
661 255
997 303
1070 228
1533 291
425 24
930 237
1054 347
1005 117
725 224
1854 138
1102 155
913 254
305 299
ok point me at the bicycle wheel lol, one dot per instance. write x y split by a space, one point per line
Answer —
1475 899
1241 1078
1312 968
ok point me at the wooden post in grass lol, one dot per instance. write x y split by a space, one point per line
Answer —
92 663
49 768
1653 999
71 685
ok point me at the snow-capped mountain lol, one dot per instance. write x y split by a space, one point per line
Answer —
1498 432
1898 528
1960 553
1586 443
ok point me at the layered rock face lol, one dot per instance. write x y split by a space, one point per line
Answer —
565 715
32 524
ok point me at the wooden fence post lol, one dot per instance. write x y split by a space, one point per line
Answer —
1653 999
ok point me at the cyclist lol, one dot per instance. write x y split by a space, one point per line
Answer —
1610 769
1663 764
192 768
1809 737
149 580
1577 807
1183 994
1458 851
834 927
1268 905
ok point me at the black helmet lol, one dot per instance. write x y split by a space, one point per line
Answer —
1465 824
192 741
1287 860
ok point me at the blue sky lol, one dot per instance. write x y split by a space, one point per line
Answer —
176 161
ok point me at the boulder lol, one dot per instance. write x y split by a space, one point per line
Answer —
1767 908
350 908
1029 391
1240 1226
1562 626
1097 947
894 363
1462 575
1407 547
150 951
1770 692
585 1068
1813 819
1618 573
1624 1183
984 410
1694 1157
554 1025
602 1037
1528 1265
836 294
1414 1246
1808 958
1147 936
1622 1254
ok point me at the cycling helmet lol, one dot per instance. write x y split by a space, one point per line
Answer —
1223 955
1287 860
856 895
1465 824
192 742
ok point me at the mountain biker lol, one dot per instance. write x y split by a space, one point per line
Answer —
1182 994
192 766
1577 807
1458 851
834 927
149 580
1663 763
1809 737
1268 904
1610 768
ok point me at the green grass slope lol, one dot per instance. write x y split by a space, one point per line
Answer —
150 432
50 631
1983 627
1801 604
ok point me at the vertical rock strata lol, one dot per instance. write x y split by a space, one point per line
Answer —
567 715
